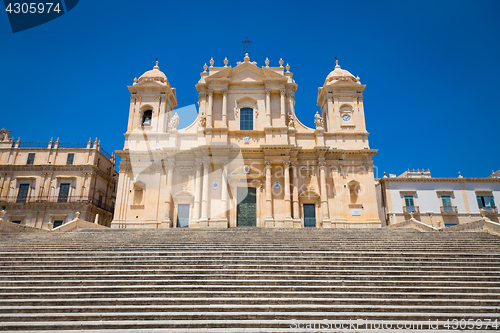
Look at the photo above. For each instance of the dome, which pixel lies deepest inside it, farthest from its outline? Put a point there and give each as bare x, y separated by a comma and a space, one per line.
338, 73
154, 74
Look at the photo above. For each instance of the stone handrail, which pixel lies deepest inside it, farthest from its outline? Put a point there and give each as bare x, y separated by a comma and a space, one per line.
9, 227
479, 225
413, 224
76, 224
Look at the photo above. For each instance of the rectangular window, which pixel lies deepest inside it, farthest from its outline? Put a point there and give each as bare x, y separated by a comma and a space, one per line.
486, 202
69, 160
63, 193
58, 223
246, 119
446, 200
16, 221
23, 193
409, 203
31, 159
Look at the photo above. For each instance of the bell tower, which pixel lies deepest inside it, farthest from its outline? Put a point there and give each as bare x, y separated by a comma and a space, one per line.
152, 102
341, 102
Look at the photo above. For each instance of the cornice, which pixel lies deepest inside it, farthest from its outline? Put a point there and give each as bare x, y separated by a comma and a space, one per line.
440, 180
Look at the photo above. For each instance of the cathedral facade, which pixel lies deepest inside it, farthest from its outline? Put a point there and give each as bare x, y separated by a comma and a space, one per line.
247, 160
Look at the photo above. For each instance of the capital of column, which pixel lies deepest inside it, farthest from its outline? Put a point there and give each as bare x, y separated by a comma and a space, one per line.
268, 91
286, 164
210, 92
170, 165
268, 165
224, 91
282, 92
202, 94
206, 164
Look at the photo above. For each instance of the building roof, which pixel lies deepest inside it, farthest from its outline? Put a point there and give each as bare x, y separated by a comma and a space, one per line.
338, 73
155, 74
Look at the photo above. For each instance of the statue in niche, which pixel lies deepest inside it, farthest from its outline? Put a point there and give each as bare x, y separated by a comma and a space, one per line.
318, 120
291, 121
203, 120
174, 121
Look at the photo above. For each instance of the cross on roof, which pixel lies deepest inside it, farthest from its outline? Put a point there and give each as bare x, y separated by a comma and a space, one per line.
246, 42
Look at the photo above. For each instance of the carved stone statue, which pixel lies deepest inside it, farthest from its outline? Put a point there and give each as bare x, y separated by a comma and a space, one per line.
291, 121
174, 121
203, 120
318, 120
4, 135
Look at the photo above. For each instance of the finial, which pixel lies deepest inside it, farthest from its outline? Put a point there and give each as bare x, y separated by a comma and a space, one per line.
225, 62
281, 62
357, 79
287, 68
460, 175
336, 63
247, 58
205, 67
156, 67
267, 62
135, 79
385, 175
212, 62
57, 139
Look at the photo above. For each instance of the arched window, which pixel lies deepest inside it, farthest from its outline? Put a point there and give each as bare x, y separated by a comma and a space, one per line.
246, 119
146, 118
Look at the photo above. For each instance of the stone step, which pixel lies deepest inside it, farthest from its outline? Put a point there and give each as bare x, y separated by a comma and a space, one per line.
158, 289
347, 285
224, 303
177, 294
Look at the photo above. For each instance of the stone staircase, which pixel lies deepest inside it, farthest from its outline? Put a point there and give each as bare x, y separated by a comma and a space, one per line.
250, 280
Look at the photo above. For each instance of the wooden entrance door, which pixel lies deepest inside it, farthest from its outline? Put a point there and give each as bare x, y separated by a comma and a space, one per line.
247, 207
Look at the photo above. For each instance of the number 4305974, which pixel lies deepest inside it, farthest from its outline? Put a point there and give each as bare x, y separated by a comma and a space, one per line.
32, 8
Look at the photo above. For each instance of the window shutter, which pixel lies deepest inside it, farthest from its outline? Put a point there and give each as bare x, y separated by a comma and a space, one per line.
492, 201
480, 201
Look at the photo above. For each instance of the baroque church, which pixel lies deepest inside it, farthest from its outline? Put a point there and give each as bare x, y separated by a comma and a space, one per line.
247, 160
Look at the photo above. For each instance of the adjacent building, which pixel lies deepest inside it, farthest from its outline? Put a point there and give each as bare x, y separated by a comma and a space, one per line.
440, 202
47, 182
247, 160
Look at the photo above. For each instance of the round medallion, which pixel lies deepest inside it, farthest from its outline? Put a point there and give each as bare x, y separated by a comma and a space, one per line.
216, 185
276, 184
246, 169
246, 139
346, 117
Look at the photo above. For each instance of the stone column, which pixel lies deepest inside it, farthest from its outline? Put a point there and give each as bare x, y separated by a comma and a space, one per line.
168, 194
224, 107
197, 194
210, 106
324, 199
282, 107
268, 107
288, 206
204, 197
269, 198
224, 193
295, 177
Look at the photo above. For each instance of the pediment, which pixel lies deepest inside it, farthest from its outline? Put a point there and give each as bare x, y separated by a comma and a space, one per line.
246, 72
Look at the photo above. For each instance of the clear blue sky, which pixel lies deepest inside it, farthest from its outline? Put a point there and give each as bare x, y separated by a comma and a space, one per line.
431, 69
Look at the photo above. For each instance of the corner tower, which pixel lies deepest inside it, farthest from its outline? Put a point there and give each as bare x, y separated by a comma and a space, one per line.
341, 102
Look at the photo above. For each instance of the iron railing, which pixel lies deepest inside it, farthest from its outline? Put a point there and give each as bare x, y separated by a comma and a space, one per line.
57, 199
411, 209
490, 210
449, 210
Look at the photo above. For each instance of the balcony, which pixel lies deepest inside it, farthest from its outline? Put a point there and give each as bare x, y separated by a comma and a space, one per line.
449, 210
56, 199
490, 210
411, 209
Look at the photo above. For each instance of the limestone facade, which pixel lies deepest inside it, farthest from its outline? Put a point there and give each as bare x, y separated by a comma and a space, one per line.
246, 160
47, 182
439, 202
